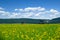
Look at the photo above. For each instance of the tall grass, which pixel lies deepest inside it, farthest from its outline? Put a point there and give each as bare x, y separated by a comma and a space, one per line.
29, 31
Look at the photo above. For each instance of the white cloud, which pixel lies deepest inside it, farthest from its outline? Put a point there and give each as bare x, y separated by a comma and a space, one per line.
53, 16
1, 8
41, 13
31, 12
4, 13
21, 10
31, 9
54, 11
14, 15
34, 9
16, 9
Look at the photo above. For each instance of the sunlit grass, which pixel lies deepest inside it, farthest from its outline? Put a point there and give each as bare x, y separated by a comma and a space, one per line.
30, 31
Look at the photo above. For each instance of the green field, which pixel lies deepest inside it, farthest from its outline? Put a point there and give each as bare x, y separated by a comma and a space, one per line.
29, 31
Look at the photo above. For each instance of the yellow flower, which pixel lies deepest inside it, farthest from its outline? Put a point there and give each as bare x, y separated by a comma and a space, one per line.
27, 36
4, 31
20, 32
32, 38
6, 35
37, 35
52, 39
22, 36
45, 33
49, 37
40, 38
33, 30
18, 36
13, 31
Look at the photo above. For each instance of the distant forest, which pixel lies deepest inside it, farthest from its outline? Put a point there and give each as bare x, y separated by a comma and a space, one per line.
31, 21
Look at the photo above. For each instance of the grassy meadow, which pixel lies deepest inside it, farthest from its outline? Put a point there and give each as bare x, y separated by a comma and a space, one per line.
29, 31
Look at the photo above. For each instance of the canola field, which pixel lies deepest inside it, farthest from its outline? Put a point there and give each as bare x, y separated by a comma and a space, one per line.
29, 31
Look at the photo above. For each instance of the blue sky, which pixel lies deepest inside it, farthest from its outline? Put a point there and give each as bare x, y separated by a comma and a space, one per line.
37, 9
